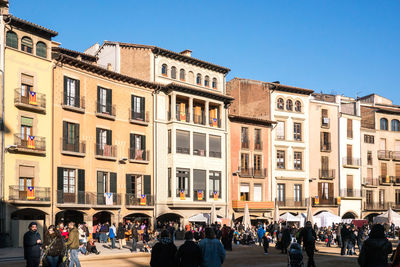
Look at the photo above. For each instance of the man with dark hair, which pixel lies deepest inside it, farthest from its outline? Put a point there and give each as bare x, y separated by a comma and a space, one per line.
73, 244
163, 253
375, 251
211, 249
189, 254
309, 237
32, 243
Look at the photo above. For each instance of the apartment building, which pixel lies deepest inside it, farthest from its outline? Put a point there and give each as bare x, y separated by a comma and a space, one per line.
324, 182
27, 116
380, 153
349, 158
102, 165
190, 127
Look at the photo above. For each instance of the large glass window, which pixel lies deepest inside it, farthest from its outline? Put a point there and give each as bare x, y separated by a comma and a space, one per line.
104, 100
244, 159
199, 185
384, 124
297, 160
182, 142
207, 81
280, 159
138, 108
244, 192
69, 180
297, 106
26, 44
214, 83
280, 104
198, 79
214, 184
164, 70
245, 137
297, 131
199, 144
41, 49
297, 192
182, 182
281, 192
138, 147
71, 92
289, 105
257, 139
12, 39
215, 146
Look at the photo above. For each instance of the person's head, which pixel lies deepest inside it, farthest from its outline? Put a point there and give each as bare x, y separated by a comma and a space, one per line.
61, 225
164, 234
120, 224
71, 225
308, 224
189, 235
209, 233
33, 226
377, 231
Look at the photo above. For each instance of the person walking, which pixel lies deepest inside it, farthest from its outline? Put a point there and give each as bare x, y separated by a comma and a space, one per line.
375, 250
32, 243
265, 240
163, 253
345, 234
135, 236
212, 251
73, 245
53, 246
308, 236
189, 254
120, 234
260, 234
111, 234
285, 241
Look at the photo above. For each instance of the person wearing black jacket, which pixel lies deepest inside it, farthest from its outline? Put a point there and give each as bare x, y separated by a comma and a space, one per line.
120, 234
345, 234
286, 238
164, 252
32, 244
189, 254
53, 246
375, 250
308, 236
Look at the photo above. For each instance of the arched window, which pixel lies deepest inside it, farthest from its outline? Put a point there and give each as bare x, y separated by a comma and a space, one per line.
297, 106
164, 70
279, 103
182, 74
26, 44
214, 83
173, 73
41, 49
395, 125
191, 77
384, 124
198, 79
12, 39
289, 105
207, 81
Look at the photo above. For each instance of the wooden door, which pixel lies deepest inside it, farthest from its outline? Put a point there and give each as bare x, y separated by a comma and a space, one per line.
24, 183
349, 185
349, 155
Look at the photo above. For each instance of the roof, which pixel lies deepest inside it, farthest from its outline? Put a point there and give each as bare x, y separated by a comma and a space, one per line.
174, 55
387, 110
74, 53
29, 25
251, 120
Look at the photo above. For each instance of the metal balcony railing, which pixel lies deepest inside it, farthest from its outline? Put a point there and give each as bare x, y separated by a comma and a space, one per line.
323, 201
102, 200
106, 150
105, 109
292, 202
134, 200
245, 145
73, 145
139, 154
396, 180
73, 101
348, 192
183, 116
258, 145
79, 197
396, 155
351, 161
326, 174
20, 193
384, 154
370, 181
376, 206
385, 179
30, 99
245, 172
259, 172
34, 143
139, 116
326, 147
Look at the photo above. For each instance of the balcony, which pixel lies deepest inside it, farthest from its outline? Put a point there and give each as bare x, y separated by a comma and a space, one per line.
252, 205
292, 203
351, 162
370, 182
29, 144
21, 195
102, 201
396, 155
215, 122
326, 147
396, 180
139, 118
376, 206
73, 103
259, 172
245, 172
349, 192
105, 111
245, 145
330, 201
131, 200
326, 174
325, 122
384, 154
33, 101
258, 146
80, 198
106, 152
199, 195
385, 179
73, 147
139, 155
199, 118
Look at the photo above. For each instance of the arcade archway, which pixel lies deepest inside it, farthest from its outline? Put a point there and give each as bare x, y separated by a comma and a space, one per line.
67, 216
102, 217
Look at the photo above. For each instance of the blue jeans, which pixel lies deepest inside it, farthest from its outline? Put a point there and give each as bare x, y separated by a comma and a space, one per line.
52, 260
112, 242
82, 249
74, 261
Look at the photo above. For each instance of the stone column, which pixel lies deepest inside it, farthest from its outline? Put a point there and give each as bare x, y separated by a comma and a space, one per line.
191, 111
173, 106
206, 111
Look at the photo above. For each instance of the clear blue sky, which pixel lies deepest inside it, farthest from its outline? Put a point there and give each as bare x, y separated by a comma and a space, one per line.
341, 46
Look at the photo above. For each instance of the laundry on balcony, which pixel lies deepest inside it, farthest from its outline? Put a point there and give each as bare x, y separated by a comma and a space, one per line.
30, 193
109, 198
31, 142
143, 200
32, 98
139, 154
108, 150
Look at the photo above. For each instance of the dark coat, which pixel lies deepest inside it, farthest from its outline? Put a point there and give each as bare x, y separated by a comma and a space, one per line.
56, 248
308, 237
286, 238
163, 255
374, 252
120, 233
31, 247
189, 255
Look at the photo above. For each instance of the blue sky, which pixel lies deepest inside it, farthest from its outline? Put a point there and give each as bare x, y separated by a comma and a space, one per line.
341, 46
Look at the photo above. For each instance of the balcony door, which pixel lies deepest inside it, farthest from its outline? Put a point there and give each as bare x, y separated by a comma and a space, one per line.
350, 185
24, 183
349, 155
257, 192
69, 185
26, 87
325, 192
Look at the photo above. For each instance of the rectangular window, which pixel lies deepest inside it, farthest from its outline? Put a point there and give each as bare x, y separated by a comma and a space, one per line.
370, 174
349, 128
26, 179
281, 192
71, 92
104, 142
214, 183
298, 160
257, 192
215, 146
104, 100
70, 136
325, 163
397, 196
369, 139
244, 192
325, 119
369, 157
26, 127
280, 130
280, 159
182, 142
325, 141
381, 196
383, 169
182, 182
138, 147
169, 141
349, 185
257, 139
138, 108
169, 182
349, 155
297, 192
323, 193
297, 131
199, 185
369, 196
257, 163
245, 137
199, 144
244, 161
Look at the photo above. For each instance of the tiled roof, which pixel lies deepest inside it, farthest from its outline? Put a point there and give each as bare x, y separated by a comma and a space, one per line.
252, 120
74, 53
34, 26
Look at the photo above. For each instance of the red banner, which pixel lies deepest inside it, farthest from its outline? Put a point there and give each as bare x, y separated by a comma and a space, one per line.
30, 193
31, 142
143, 201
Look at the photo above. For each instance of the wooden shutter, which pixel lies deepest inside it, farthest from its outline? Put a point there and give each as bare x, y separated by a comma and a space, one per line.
320, 190
143, 142
100, 182
147, 184
324, 113
349, 152
60, 178
349, 181
65, 90
397, 170
77, 94
109, 137
109, 101
330, 190
128, 183
97, 136
324, 163
98, 99
76, 137
349, 128
81, 180
113, 182
65, 130
369, 173
383, 169
142, 107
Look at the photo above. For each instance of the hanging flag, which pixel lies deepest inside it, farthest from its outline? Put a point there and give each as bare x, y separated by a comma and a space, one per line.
200, 195
316, 200
182, 194
32, 98
215, 194
30, 193
139, 155
338, 199
109, 198
31, 142
143, 200
182, 115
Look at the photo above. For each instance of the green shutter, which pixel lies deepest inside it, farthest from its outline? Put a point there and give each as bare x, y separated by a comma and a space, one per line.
113, 182
100, 182
128, 183
81, 180
60, 178
65, 90
77, 94
147, 184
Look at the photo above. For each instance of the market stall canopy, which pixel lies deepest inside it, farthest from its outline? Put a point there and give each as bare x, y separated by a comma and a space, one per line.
388, 216
201, 217
327, 218
288, 217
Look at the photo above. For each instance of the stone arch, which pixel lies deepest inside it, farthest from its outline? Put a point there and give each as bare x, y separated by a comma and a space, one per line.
370, 216
349, 215
103, 217
67, 216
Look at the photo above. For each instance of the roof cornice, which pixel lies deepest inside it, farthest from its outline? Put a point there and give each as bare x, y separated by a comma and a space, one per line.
251, 120
29, 25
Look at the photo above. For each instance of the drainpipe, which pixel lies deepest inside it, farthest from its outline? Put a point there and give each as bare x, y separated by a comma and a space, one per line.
227, 171
154, 146
52, 143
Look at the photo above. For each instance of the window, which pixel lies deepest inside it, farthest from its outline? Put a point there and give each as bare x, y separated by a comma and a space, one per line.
26, 127
26, 44
136, 186
325, 166
324, 191
369, 139
182, 75
325, 141
199, 144
41, 49
104, 100
182, 142
370, 175
173, 72
215, 146
297, 160
244, 192
369, 157
214, 184
325, 119
214, 83
381, 196
257, 139
191, 77
26, 179
349, 128
395, 125
297, 106
257, 163
69, 181
12, 39
280, 159
281, 192
257, 196
289, 105
397, 197
199, 185
198, 79
280, 130
70, 136
297, 192
245, 137
106, 183
297, 131
207, 81
104, 142
138, 108
279, 104
71, 92
26, 88
169, 141
169, 182
244, 162
384, 124
182, 182
164, 70
369, 196
138, 147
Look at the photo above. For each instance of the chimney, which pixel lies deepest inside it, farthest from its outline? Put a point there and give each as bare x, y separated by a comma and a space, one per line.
109, 67
186, 52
